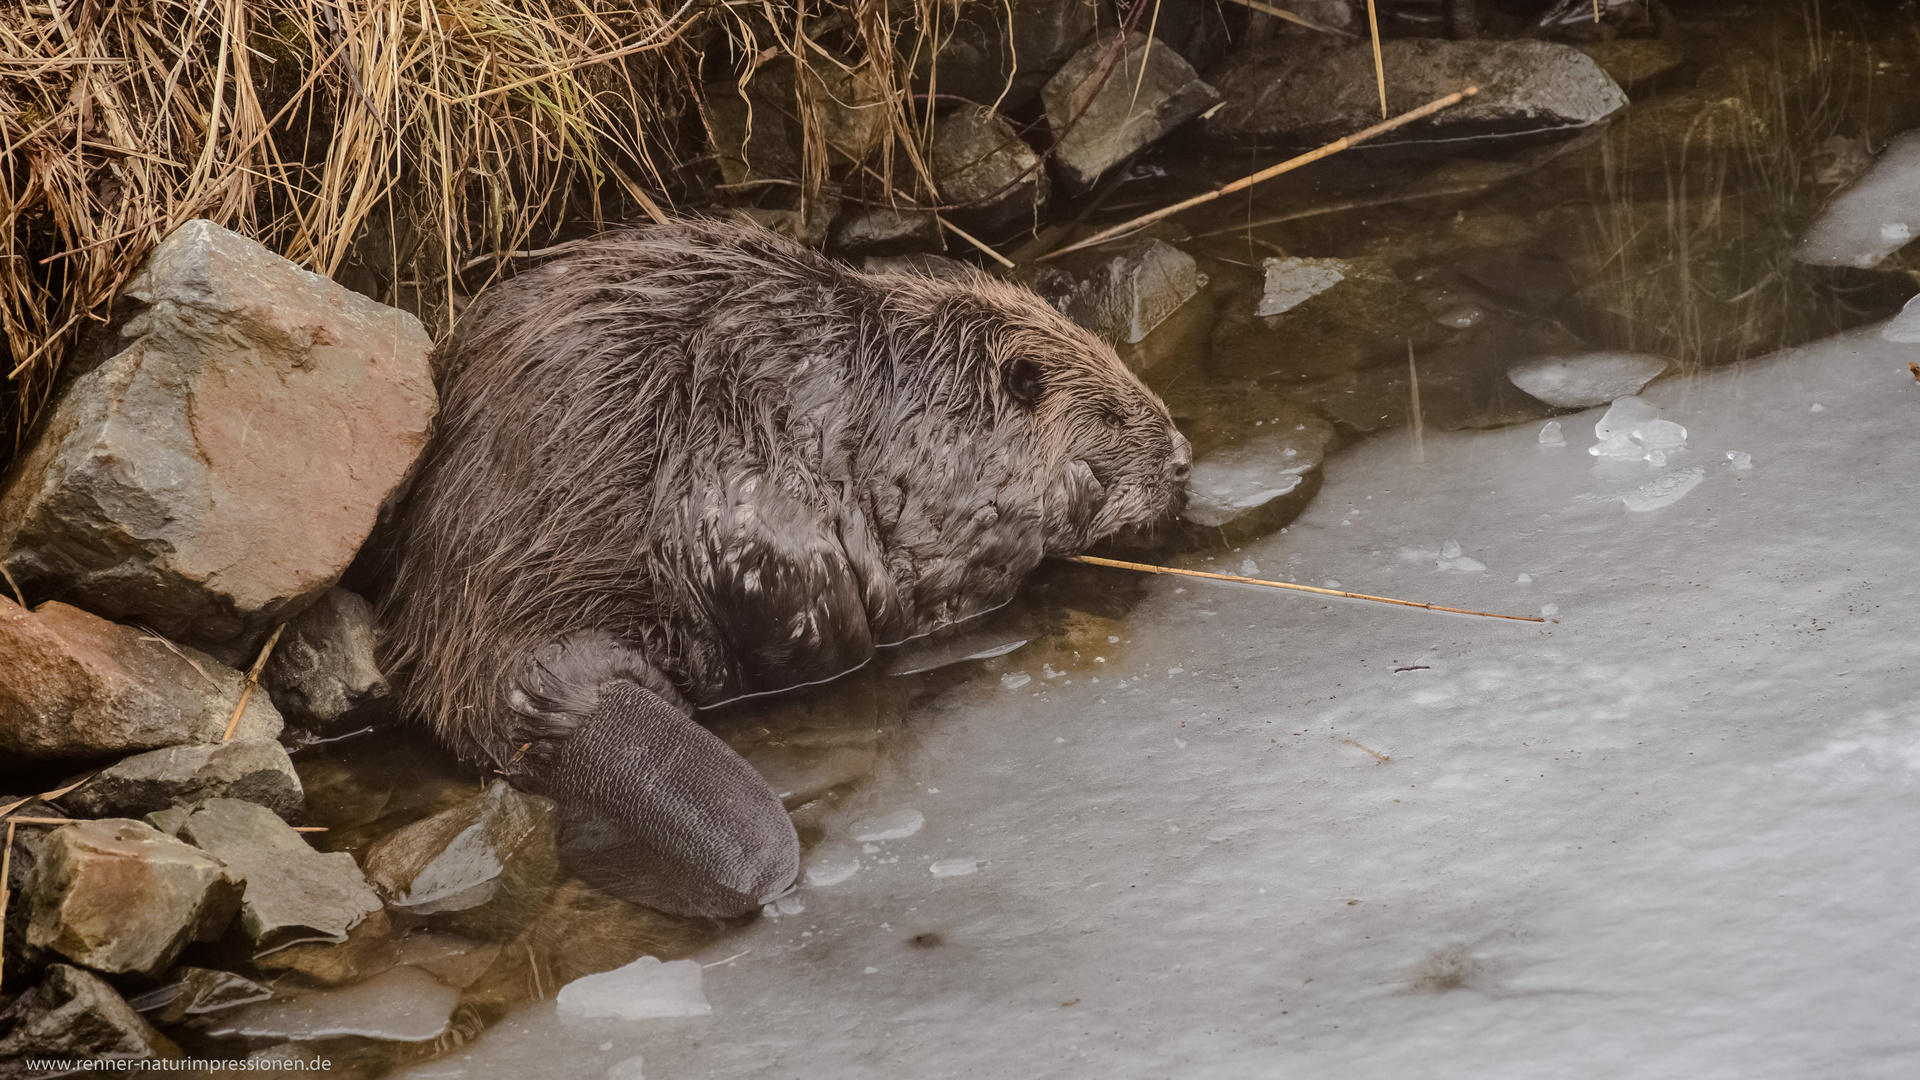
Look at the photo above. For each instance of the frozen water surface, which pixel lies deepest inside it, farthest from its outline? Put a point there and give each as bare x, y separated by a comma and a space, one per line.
1670, 835
643, 990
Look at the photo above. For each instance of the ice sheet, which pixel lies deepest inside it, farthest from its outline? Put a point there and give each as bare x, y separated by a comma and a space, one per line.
1669, 835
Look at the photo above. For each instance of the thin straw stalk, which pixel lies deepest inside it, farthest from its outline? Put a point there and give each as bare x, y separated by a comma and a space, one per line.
1150, 568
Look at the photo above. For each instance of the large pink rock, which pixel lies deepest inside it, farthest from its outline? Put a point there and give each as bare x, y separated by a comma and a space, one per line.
217, 473
73, 685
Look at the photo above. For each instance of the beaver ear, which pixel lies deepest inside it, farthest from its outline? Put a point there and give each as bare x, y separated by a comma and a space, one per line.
1021, 379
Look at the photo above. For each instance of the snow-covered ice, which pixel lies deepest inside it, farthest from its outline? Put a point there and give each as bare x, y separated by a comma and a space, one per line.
1581, 382
952, 867
1669, 836
643, 990
1874, 217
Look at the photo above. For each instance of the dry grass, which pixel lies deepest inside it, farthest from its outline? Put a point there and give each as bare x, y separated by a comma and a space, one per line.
403, 146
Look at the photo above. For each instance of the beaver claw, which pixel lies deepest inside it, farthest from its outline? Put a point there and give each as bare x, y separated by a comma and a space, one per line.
657, 810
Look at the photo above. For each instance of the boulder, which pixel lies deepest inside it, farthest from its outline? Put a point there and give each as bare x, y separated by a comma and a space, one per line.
992, 178
118, 896
1000, 52
1875, 216
75, 686
197, 991
1293, 95
748, 133
75, 1014
367, 952
217, 474
322, 671
1112, 100
257, 770
1135, 290
885, 230
294, 893
482, 868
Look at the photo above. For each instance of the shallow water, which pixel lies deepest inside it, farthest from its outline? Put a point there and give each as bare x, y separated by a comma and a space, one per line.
1206, 830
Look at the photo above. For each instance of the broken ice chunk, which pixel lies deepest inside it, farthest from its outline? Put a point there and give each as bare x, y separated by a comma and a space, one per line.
1292, 282
1657, 458
832, 868
1904, 327
1551, 435
643, 990
1740, 459
1581, 382
1626, 414
895, 826
1616, 446
1014, 680
1452, 559
1660, 435
952, 867
1249, 568
1874, 217
1665, 491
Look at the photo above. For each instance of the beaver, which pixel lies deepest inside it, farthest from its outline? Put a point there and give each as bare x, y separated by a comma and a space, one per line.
686, 463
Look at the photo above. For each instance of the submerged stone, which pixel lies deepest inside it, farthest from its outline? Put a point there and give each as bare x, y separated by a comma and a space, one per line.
256, 770
77, 686
294, 893
74, 1014
1114, 99
401, 1005
197, 991
482, 868
118, 896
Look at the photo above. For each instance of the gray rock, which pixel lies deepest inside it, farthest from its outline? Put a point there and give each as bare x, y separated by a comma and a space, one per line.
1000, 52
119, 896
993, 179
884, 230
322, 671
1296, 95
75, 685
294, 893
1109, 109
934, 266
404, 1004
1581, 382
197, 991
1136, 290
1875, 216
217, 475
75, 1014
749, 133
257, 770
483, 867
808, 224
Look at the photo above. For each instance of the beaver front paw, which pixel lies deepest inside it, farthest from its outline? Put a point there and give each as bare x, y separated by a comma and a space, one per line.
657, 810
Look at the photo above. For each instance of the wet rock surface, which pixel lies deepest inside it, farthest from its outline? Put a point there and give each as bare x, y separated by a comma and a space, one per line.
256, 770
197, 991
1129, 295
322, 671
1001, 54
1113, 99
294, 894
1289, 95
76, 686
482, 868
218, 471
75, 1014
117, 896
885, 230
992, 178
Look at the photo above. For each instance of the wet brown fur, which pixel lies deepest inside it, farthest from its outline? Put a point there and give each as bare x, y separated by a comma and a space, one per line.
716, 462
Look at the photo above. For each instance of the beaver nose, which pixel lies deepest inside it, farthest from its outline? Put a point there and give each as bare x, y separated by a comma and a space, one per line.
1180, 466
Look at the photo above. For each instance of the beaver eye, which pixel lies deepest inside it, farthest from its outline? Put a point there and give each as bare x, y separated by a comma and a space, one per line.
1111, 416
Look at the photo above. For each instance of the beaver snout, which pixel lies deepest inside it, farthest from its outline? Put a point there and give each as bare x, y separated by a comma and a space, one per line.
1180, 465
